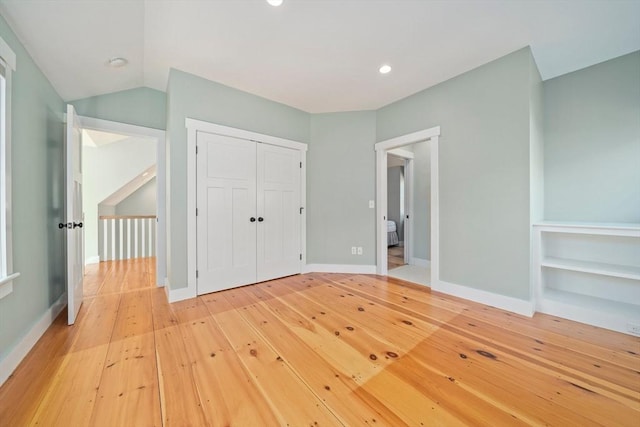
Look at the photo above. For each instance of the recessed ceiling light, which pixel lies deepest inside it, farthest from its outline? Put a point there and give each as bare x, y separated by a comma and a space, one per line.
274, 2
117, 62
385, 69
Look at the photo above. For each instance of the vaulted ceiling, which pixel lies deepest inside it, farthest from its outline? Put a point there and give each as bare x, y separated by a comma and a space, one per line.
316, 55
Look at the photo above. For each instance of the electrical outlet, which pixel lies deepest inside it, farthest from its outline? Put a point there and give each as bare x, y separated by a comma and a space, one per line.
353, 250
633, 328
359, 250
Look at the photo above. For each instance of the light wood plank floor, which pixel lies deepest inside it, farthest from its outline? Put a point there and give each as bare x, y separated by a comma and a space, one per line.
317, 349
395, 257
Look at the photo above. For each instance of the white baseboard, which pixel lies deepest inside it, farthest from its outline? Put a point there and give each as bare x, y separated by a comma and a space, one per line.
92, 260
340, 268
514, 305
420, 262
13, 359
180, 294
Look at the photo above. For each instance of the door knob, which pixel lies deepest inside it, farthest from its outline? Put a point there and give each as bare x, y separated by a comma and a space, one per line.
63, 225
252, 219
77, 224
260, 219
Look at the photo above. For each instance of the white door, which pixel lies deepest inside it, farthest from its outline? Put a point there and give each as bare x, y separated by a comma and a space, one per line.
278, 207
226, 221
73, 213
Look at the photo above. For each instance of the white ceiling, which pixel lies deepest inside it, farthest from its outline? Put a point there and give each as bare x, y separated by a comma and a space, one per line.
316, 55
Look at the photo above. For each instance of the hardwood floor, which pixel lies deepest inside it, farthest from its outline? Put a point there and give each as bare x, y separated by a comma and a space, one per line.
395, 257
316, 349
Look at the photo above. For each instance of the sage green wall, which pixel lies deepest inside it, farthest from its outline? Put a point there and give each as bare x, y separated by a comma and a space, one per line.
484, 160
140, 106
340, 182
592, 143
37, 196
140, 202
421, 201
198, 98
394, 211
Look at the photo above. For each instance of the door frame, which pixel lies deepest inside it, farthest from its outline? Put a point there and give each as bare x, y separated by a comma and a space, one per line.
382, 149
92, 123
193, 127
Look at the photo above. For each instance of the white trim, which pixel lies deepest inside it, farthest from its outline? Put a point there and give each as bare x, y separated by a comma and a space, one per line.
420, 262
92, 260
6, 284
92, 123
340, 268
192, 242
161, 167
382, 148
514, 305
6, 206
407, 139
7, 54
13, 359
435, 210
180, 294
193, 127
399, 152
243, 134
303, 205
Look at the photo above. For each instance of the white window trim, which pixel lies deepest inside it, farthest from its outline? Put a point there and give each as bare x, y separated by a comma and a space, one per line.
6, 268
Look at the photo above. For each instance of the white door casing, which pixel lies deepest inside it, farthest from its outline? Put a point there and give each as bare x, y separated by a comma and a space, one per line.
73, 215
382, 148
248, 212
175, 292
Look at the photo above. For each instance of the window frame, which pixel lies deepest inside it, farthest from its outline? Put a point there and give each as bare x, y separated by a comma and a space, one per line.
7, 67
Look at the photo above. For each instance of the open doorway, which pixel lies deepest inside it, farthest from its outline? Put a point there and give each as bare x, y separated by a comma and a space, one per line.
399, 201
124, 193
418, 151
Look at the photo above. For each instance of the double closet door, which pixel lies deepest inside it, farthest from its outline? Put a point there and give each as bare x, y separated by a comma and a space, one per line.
248, 218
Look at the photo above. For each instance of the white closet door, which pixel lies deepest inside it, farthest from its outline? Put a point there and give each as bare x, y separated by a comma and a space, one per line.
226, 201
278, 246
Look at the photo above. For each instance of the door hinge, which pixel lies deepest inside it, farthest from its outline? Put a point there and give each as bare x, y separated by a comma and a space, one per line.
196, 274
196, 211
301, 210
196, 149
300, 165
300, 257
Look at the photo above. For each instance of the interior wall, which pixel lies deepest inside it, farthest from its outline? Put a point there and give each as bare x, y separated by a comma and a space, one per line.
394, 213
37, 198
422, 201
140, 202
140, 106
340, 183
107, 168
194, 97
592, 143
484, 170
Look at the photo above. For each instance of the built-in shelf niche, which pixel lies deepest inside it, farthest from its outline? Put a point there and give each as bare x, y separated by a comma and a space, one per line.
588, 272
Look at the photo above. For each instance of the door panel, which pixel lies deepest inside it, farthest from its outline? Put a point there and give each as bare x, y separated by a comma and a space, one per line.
238, 180
226, 198
279, 204
74, 217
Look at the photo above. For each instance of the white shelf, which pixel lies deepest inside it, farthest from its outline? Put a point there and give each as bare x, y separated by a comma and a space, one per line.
595, 304
608, 229
587, 299
591, 310
623, 271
